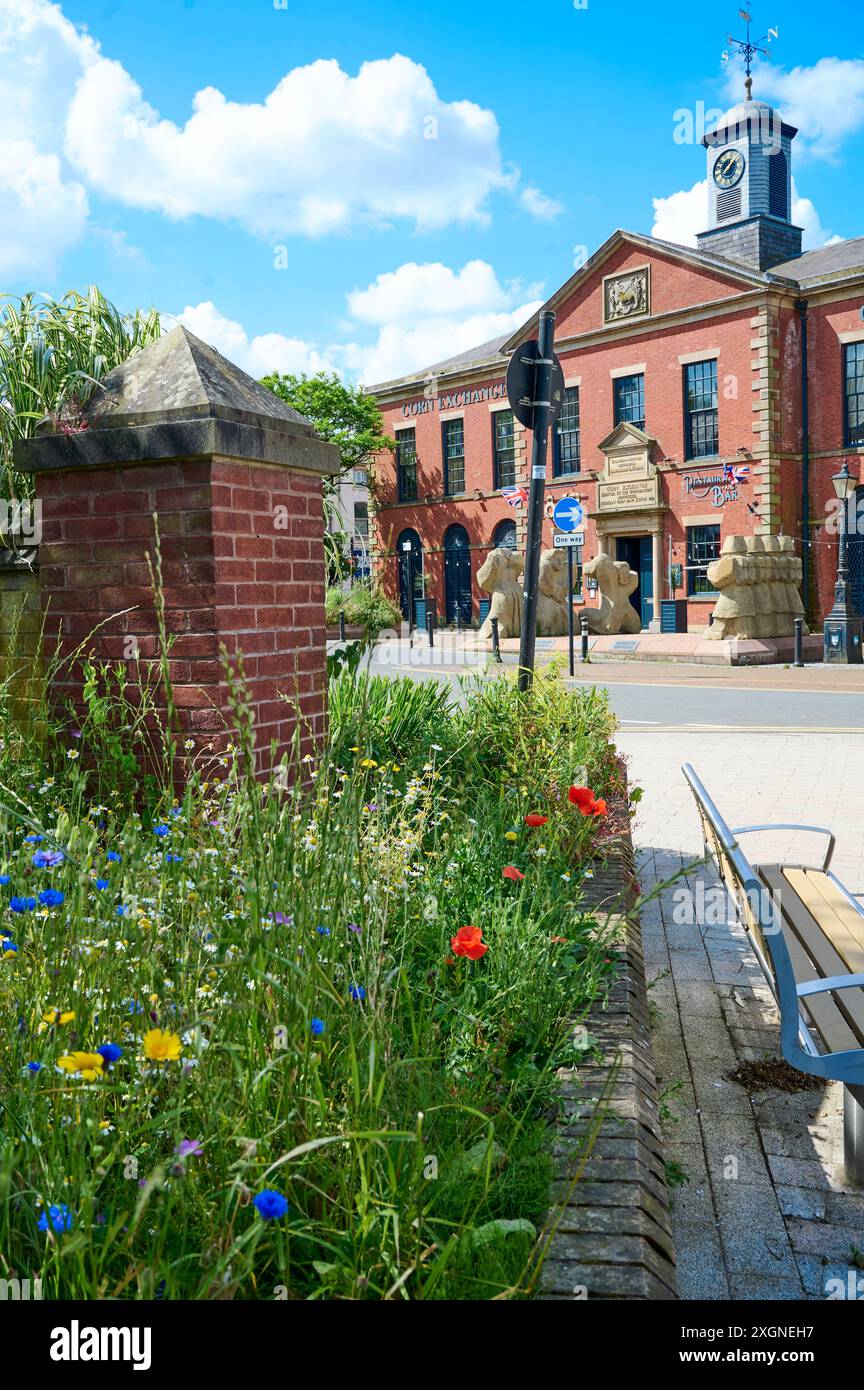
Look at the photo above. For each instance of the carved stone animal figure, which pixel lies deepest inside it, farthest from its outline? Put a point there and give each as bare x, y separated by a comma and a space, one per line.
552, 598
499, 576
616, 582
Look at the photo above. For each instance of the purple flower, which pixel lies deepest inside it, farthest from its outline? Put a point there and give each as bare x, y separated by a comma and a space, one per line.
282, 919
187, 1147
352, 926
48, 858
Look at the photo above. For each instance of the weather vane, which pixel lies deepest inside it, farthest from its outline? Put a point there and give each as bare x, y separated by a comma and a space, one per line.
748, 50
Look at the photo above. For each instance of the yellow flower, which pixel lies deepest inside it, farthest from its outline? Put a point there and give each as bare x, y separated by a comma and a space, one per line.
511, 835
368, 762
54, 1016
161, 1047
87, 1065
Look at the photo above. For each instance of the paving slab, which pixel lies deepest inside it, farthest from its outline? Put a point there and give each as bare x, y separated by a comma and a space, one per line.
765, 1211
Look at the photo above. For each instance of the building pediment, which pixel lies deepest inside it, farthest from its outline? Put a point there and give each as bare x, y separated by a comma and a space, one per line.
626, 436
629, 480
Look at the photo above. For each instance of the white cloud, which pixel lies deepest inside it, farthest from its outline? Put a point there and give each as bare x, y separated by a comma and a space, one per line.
825, 101
538, 205
472, 307
321, 152
43, 208
681, 215
41, 215
259, 355
416, 291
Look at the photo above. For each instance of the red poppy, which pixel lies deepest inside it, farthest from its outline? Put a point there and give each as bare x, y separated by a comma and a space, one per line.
468, 941
511, 872
588, 804
534, 821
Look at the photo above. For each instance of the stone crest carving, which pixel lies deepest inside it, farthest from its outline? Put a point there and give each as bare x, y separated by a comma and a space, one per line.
625, 296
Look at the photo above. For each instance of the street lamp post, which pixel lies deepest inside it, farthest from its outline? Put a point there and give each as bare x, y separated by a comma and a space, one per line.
842, 632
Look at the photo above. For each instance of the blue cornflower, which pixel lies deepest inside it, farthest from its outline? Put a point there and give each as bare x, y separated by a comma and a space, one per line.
161, 830
100, 883
113, 857
316, 1027
7, 946
33, 839
111, 1052
59, 1216
123, 910
323, 931
4, 879
173, 858
48, 858
357, 992
34, 1066
134, 1006
270, 1205
22, 904
51, 897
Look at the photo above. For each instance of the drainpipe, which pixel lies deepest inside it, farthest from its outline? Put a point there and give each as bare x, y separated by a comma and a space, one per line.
801, 306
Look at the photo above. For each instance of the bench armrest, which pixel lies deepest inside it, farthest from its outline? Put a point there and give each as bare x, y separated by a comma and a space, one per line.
812, 829
831, 982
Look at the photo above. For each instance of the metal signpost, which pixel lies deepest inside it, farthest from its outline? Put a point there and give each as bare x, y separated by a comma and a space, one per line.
567, 515
535, 390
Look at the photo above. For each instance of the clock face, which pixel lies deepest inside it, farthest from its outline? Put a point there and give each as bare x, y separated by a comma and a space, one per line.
728, 169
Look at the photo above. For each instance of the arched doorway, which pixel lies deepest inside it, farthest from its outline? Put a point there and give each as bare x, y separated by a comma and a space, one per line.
457, 575
409, 558
505, 535
855, 553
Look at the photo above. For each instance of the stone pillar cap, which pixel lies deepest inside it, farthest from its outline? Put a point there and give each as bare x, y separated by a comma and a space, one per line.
179, 398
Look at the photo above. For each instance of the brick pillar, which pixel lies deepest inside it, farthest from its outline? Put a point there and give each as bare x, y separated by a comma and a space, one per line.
235, 479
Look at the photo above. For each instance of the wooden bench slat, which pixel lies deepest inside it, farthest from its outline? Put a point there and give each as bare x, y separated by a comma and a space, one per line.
838, 1018
848, 934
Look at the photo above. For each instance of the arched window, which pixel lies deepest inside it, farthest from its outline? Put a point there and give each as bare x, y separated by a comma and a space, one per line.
505, 535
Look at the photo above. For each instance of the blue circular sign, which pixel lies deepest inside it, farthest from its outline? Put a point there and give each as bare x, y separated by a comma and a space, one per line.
567, 514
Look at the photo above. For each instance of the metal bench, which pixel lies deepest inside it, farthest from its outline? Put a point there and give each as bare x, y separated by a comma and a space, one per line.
807, 933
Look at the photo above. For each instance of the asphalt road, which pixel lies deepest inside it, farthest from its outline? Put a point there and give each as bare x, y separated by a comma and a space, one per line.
673, 705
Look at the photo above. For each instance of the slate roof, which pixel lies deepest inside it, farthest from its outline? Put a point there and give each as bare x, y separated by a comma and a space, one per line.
827, 262
476, 356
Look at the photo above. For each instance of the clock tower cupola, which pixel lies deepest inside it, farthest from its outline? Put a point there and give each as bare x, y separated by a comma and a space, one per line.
750, 181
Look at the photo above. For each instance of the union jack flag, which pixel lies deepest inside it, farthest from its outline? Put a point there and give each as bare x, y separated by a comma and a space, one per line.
515, 496
735, 472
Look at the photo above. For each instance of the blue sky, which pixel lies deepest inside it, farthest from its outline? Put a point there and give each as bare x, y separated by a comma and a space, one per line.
377, 219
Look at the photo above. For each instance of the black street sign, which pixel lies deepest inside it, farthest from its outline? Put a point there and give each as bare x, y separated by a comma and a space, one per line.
523, 377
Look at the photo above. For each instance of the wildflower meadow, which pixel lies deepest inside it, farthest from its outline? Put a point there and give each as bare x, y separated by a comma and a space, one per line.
298, 1040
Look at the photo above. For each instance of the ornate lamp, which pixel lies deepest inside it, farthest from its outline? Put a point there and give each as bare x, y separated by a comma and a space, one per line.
843, 626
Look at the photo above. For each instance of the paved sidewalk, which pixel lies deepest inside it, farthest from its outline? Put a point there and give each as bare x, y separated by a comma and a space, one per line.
765, 1212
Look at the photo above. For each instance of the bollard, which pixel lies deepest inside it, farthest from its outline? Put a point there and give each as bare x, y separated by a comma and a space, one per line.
583, 624
496, 642
430, 623
341, 624
799, 642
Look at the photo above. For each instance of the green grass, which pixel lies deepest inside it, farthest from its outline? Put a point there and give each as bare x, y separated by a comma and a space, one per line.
401, 1133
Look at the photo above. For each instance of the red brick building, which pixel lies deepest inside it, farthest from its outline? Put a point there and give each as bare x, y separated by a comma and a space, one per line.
685, 406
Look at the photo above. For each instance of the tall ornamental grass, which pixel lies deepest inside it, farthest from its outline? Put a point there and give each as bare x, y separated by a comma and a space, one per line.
269, 1044
52, 353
